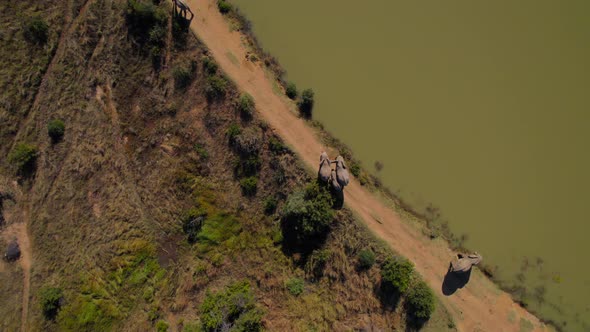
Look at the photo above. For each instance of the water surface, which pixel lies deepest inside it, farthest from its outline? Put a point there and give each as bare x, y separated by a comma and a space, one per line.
481, 108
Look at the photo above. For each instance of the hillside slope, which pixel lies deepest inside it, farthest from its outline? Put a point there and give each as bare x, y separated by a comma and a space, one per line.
161, 203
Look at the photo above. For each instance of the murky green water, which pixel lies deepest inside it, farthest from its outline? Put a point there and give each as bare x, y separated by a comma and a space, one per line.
481, 108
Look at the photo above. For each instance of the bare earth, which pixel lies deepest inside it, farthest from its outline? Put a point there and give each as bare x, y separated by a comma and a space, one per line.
479, 306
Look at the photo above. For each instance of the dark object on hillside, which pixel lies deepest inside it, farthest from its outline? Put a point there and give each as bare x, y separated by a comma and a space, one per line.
181, 9
12, 252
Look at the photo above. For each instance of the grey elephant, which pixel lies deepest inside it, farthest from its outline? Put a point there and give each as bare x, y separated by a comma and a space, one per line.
334, 182
325, 167
462, 263
341, 172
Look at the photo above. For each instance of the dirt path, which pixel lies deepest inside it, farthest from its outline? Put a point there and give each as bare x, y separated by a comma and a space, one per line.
19, 231
479, 306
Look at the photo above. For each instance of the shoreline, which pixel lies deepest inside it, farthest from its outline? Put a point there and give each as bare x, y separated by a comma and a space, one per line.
371, 183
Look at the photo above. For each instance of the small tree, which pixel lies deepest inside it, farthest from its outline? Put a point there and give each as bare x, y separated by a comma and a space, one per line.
36, 30
306, 103
246, 106
223, 6
249, 185
366, 259
56, 130
216, 87
291, 90
420, 301
23, 158
397, 274
50, 298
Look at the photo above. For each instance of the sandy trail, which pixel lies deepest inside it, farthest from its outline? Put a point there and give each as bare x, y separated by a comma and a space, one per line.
479, 306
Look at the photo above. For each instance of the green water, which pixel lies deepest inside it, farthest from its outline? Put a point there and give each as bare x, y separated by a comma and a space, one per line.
481, 108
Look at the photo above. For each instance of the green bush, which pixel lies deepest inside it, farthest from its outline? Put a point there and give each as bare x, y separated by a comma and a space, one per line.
307, 213
201, 151
317, 262
355, 169
249, 185
276, 146
23, 158
142, 17
36, 30
215, 88
161, 326
248, 143
291, 90
209, 65
366, 259
192, 222
233, 131
182, 77
50, 298
306, 103
397, 274
246, 105
223, 6
295, 286
56, 130
270, 205
420, 301
232, 309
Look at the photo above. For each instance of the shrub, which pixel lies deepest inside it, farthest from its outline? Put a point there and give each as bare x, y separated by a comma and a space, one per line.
317, 262
248, 143
161, 326
50, 298
36, 30
216, 87
291, 90
209, 65
23, 158
232, 309
366, 259
420, 301
270, 205
223, 6
295, 286
192, 222
201, 151
397, 274
233, 131
249, 185
182, 77
307, 213
355, 169
306, 102
276, 146
246, 106
142, 17
55, 130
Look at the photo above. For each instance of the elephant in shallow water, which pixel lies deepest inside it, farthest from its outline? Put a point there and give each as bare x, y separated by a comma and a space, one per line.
334, 182
341, 172
463, 263
325, 167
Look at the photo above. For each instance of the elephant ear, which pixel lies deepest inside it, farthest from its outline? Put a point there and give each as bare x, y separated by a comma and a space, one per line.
344, 164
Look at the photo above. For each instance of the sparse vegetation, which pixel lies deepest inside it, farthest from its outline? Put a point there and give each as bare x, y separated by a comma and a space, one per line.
306, 103
420, 301
366, 259
50, 298
162, 326
396, 275
36, 30
295, 286
56, 130
23, 158
291, 90
232, 309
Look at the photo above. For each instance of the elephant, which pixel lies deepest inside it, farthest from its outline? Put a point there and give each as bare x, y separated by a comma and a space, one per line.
334, 182
462, 264
341, 172
325, 167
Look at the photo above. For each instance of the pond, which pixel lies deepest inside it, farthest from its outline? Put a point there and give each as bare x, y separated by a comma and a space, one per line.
478, 108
